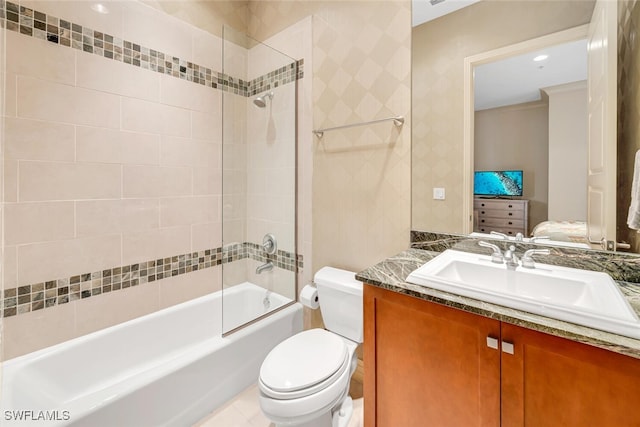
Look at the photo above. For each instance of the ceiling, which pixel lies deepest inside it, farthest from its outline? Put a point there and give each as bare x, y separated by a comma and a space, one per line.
517, 79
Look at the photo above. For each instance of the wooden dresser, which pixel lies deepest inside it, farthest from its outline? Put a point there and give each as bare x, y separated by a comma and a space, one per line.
503, 215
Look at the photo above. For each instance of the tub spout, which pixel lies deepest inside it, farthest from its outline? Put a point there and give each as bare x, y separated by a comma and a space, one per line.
268, 266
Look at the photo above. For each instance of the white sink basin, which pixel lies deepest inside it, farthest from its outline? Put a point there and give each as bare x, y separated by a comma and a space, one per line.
583, 297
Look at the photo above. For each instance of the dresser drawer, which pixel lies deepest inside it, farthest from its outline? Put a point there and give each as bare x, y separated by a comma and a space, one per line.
495, 213
502, 215
504, 230
501, 222
509, 205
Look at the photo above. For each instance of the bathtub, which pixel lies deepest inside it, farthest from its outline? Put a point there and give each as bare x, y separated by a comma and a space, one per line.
169, 368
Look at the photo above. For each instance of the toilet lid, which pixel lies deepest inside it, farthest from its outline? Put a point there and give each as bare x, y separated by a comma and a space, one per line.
303, 360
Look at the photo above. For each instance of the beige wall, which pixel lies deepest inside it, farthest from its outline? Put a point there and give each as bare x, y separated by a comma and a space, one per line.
568, 125
517, 137
361, 180
628, 113
361, 177
438, 51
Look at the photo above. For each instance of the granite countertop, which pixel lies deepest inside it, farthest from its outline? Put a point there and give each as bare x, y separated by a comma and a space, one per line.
391, 274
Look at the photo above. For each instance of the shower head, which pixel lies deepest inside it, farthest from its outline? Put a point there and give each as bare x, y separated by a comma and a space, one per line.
261, 101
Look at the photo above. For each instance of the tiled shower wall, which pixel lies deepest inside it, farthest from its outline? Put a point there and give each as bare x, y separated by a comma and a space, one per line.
112, 168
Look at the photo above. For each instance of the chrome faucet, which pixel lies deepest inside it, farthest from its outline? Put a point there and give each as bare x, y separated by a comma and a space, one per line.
527, 260
496, 256
510, 258
268, 266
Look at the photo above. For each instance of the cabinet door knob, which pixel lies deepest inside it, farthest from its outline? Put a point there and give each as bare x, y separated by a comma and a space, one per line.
507, 347
492, 343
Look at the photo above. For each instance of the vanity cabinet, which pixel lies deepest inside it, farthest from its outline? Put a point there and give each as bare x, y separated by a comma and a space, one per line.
428, 364
505, 216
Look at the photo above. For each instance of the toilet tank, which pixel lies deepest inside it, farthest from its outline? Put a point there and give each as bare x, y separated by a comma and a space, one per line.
340, 297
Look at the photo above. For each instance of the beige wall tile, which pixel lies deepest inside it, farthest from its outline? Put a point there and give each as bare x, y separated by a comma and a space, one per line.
189, 210
189, 152
114, 146
156, 181
207, 49
37, 140
185, 287
156, 30
68, 181
10, 94
32, 57
206, 126
99, 217
207, 181
206, 236
153, 244
95, 72
95, 313
39, 262
186, 94
10, 180
10, 267
80, 12
145, 116
38, 329
38, 222
56, 102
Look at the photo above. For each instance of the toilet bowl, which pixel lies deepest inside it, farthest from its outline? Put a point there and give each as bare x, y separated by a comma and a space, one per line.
304, 380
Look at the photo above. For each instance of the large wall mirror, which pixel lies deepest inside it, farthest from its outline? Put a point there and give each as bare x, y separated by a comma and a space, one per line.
516, 114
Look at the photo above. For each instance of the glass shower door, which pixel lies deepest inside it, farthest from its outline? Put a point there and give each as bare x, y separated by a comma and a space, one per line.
258, 180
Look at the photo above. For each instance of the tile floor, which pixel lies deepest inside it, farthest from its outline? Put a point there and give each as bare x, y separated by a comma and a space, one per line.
244, 411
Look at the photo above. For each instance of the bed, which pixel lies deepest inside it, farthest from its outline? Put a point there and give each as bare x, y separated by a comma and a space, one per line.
564, 231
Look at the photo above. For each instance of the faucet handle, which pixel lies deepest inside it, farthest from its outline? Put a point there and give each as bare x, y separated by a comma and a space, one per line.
496, 256
527, 260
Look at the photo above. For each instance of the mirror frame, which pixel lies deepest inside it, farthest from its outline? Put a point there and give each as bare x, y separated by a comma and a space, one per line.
565, 36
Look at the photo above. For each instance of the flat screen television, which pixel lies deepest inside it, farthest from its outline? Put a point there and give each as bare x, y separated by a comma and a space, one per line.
497, 183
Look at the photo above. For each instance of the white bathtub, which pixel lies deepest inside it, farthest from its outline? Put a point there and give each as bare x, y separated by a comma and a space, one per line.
169, 368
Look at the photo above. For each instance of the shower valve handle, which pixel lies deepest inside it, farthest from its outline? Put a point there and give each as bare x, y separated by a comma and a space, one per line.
269, 244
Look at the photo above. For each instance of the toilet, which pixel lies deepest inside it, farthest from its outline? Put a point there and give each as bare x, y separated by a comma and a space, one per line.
304, 380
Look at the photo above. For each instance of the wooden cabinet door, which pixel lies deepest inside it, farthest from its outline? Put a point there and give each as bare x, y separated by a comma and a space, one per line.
550, 381
427, 364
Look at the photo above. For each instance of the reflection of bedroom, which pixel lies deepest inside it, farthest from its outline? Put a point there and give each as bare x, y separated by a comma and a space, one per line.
532, 116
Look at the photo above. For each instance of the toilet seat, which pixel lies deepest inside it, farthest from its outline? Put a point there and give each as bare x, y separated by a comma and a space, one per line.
304, 364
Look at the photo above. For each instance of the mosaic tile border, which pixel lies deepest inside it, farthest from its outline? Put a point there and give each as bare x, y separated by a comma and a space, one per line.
38, 296
55, 30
